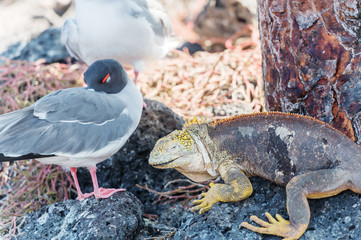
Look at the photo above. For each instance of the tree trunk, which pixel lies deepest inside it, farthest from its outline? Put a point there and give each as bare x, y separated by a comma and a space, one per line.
312, 59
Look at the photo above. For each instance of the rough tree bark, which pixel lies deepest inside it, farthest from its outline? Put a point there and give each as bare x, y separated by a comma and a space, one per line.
312, 59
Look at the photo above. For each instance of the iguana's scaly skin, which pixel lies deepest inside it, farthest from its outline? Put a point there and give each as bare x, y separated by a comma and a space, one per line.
310, 157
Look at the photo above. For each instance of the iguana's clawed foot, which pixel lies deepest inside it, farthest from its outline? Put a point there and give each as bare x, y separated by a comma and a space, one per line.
279, 227
208, 199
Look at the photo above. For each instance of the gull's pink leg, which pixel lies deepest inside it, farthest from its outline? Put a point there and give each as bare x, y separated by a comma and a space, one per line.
81, 196
101, 192
136, 73
83, 84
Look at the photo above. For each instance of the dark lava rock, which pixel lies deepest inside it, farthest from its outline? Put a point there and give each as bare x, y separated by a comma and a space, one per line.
46, 46
337, 217
191, 47
117, 217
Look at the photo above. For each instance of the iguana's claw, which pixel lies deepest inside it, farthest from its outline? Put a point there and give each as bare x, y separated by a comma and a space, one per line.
207, 201
279, 227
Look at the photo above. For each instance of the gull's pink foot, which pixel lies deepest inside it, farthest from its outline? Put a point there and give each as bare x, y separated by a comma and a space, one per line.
98, 192
229, 44
101, 192
106, 192
83, 196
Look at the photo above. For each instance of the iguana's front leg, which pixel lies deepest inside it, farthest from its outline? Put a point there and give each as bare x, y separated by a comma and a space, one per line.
237, 187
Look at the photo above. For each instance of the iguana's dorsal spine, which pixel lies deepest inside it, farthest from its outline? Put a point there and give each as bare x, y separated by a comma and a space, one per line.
195, 120
192, 126
214, 123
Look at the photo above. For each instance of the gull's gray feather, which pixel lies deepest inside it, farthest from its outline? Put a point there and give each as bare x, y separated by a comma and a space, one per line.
70, 38
155, 15
78, 105
49, 126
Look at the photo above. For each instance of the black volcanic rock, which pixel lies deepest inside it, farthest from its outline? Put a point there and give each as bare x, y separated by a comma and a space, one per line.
117, 217
46, 46
337, 217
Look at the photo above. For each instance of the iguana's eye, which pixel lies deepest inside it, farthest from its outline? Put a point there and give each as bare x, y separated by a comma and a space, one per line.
173, 147
106, 79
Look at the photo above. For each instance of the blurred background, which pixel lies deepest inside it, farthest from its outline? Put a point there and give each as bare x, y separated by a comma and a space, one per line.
219, 61
23, 19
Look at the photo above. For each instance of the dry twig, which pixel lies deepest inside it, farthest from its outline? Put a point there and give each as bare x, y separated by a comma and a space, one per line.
182, 193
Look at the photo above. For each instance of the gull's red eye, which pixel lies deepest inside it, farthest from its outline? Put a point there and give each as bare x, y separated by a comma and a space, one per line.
106, 78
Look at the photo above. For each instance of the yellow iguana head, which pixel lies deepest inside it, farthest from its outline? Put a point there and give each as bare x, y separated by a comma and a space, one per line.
184, 151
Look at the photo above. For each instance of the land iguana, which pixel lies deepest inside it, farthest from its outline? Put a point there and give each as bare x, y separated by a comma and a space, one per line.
310, 157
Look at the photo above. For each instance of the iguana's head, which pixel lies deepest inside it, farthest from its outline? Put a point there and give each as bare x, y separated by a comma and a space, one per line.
181, 150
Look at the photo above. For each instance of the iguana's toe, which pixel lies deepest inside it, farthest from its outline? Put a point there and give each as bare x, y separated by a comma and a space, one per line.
279, 227
202, 205
206, 202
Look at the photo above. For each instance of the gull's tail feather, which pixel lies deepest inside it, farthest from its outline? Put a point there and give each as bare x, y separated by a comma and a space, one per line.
10, 120
4, 158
